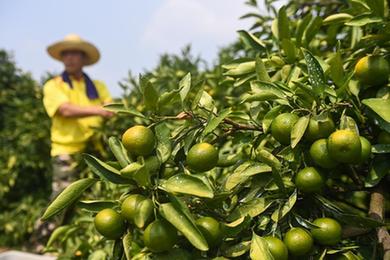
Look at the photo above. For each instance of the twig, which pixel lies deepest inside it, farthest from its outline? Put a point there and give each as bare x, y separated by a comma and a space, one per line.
376, 212
241, 126
355, 177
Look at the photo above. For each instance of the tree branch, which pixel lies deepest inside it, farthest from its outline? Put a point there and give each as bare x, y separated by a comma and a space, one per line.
377, 205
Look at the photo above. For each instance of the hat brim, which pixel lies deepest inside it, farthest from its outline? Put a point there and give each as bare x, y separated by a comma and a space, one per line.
92, 53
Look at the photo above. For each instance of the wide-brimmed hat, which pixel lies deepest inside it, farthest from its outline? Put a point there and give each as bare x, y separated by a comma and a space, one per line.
74, 42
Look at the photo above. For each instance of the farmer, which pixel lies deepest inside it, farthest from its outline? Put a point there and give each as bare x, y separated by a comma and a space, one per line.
74, 102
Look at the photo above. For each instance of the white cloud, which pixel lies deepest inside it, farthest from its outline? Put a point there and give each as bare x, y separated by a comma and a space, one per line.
203, 23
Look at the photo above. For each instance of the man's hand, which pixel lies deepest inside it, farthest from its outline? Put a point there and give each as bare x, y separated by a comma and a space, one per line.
70, 110
105, 113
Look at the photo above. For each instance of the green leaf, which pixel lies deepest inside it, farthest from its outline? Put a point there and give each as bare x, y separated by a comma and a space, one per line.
96, 205
127, 241
378, 120
149, 93
104, 171
261, 70
301, 28
181, 222
119, 151
117, 250
206, 101
280, 213
99, 254
120, 108
356, 36
336, 69
298, 130
289, 49
251, 41
186, 184
379, 169
241, 69
243, 172
196, 100
236, 227
167, 98
252, 208
264, 91
259, 249
361, 4
58, 233
349, 218
283, 24
293, 76
315, 72
67, 197
237, 249
269, 117
185, 86
337, 18
379, 7
142, 256
312, 29
215, 121
164, 146
268, 158
364, 19
379, 106
347, 122
138, 172
381, 148
143, 213
303, 222
245, 79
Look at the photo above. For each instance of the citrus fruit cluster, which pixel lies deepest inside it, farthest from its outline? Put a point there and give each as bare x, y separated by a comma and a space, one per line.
299, 241
137, 210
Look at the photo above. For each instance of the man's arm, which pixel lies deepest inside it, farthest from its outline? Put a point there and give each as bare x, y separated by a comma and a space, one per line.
70, 110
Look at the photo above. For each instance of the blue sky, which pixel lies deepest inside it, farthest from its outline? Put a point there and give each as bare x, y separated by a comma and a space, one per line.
130, 34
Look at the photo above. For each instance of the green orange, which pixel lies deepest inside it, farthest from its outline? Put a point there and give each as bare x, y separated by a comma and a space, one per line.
298, 241
139, 140
366, 149
309, 180
160, 236
202, 157
320, 154
345, 146
129, 206
109, 223
372, 70
328, 232
281, 127
277, 248
319, 127
211, 229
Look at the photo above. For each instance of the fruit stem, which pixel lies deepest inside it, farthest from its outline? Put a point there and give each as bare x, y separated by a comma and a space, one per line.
376, 212
355, 178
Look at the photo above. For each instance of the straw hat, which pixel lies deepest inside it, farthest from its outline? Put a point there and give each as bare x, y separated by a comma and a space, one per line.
74, 42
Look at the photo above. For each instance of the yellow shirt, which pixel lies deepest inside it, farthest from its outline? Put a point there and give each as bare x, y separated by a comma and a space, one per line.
70, 135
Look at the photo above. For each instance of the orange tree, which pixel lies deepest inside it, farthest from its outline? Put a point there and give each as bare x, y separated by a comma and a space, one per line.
298, 135
24, 153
